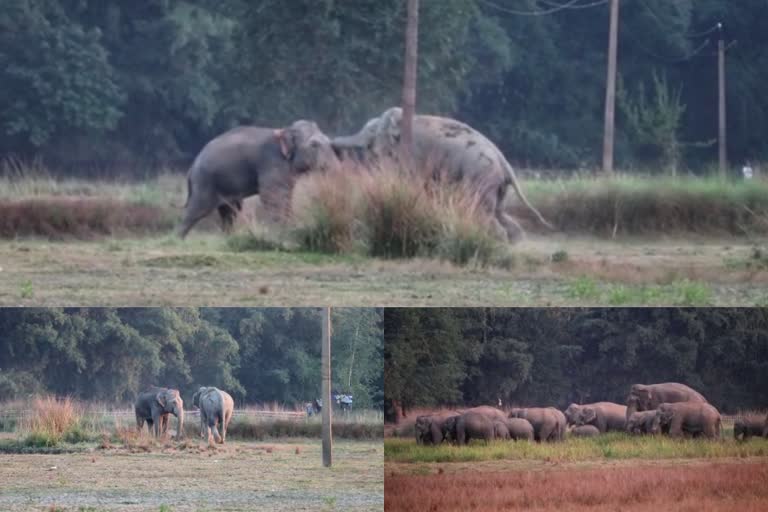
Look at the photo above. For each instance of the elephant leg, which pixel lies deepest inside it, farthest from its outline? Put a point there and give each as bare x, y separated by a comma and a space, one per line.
227, 215
512, 229
545, 434
198, 206
139, 423
150, 426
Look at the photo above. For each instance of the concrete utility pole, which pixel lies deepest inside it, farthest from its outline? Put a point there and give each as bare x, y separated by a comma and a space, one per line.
610, 90
722, 153
409, 79
326, 378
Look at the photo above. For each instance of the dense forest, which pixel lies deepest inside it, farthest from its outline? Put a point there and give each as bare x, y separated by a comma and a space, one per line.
258, 355
556, 356
126, 83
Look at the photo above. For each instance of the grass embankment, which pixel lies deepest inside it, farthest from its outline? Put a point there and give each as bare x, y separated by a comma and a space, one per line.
613, 446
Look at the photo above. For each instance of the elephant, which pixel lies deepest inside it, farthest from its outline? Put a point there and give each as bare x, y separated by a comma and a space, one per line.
585, 431
474, 425
748, 426
501, 431
429, 428
216, 408
250, 160
548, 423
451, 151
644, 397
765, 429
606, 416
520, 429
154, 406
641, 422
693, 418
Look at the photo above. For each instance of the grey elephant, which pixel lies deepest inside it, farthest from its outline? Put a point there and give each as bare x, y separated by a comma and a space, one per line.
216, 409
548, 423
606, 416
501, 431
520, 429
154, 406
250, 160
430, 428
585, 431
748, 426
446, 149
641, 422
474, 425
646, 397
688, 418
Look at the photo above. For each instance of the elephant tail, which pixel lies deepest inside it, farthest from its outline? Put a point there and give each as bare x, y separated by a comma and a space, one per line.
512, 180
189, 192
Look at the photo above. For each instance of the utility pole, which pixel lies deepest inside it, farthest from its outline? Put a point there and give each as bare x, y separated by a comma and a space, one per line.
409, 80
326, 392
723, 156
610, 90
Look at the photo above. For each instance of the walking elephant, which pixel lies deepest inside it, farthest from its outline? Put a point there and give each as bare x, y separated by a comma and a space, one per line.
216, 408
520, 429
548, 423
154, 406
585, 431
693, 418
641, 423
446, 149
644, 397
250, 160
748, 426
474, 425
606, 416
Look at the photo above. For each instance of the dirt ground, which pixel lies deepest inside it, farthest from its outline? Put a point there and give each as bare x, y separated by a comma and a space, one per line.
637, 486
204, 271
239, 476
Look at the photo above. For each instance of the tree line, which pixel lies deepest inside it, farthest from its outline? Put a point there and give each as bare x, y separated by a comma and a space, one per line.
256, 354
557, 356
153, 80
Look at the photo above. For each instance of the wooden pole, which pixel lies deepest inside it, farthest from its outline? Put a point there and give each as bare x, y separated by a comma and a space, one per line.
722, 152
409, 79
326, 378
610, 90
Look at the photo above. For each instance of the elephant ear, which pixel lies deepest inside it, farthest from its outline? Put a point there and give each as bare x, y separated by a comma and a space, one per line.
390, 124
286, 138
589, 414
161, 398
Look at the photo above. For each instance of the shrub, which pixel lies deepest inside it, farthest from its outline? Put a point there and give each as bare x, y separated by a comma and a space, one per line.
51, 420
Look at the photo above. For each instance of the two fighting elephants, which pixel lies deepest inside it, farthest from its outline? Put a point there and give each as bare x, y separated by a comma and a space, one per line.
250, 160
154, 407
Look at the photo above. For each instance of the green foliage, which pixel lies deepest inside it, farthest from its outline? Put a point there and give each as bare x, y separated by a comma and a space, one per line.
444, 357
260, 355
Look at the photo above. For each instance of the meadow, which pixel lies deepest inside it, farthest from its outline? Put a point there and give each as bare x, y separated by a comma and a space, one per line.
364, 239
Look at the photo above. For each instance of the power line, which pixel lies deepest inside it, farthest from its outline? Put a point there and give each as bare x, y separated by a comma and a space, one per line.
577, 6
559, 7
669, 60
661, 22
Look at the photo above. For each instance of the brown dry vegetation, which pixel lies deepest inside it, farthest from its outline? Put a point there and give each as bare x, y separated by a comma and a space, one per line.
696, 487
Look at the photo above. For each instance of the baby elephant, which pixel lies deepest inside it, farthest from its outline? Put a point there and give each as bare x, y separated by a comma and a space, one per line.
585, 431
520, 429
641, 422
216, 408
748, 426
500, 431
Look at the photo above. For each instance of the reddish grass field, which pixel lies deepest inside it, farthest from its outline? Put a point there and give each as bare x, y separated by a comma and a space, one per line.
698, 487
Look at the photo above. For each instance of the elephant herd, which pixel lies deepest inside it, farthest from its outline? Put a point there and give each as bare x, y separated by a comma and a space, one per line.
668, 408
250, 160
154, 407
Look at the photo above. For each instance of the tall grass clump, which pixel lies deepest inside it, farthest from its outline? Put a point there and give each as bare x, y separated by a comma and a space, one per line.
389, 213
52, 420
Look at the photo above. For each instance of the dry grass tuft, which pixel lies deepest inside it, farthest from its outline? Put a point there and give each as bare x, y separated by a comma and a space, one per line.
51, 420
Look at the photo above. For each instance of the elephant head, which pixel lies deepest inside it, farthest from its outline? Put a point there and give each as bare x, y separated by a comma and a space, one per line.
199, 394
169, 401
570, 413
306, 147
585, 416
380, 135
663, 418
449, 428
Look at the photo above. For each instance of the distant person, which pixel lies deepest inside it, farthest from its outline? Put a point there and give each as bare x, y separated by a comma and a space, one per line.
747, 171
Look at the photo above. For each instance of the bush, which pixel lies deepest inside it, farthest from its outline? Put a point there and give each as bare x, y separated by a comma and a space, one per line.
51, 420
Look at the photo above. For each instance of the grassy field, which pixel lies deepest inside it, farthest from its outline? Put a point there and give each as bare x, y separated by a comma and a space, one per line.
175, 478
607, 473
625, 242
